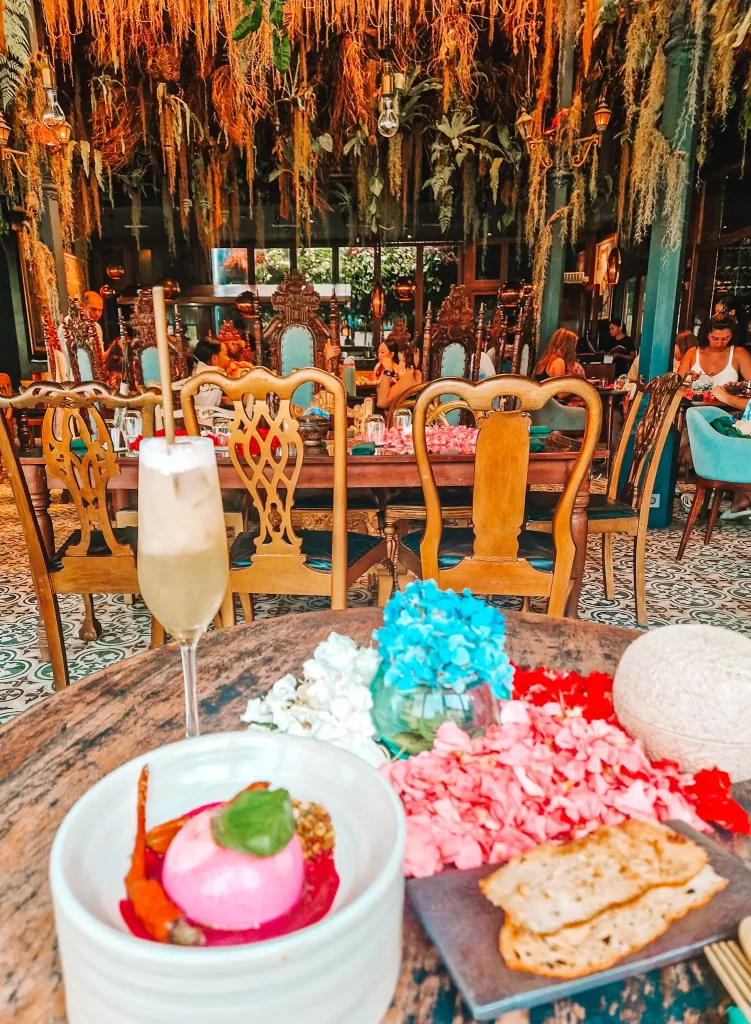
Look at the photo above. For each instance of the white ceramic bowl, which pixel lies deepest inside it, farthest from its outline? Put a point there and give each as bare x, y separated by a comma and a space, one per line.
342, 970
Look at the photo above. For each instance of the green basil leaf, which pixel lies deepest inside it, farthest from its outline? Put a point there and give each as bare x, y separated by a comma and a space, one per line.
276, 13
282, 52
259, 822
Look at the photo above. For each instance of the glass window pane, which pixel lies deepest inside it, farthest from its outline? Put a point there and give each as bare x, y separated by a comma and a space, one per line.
271, 265
229, 266
487, 262
315, 265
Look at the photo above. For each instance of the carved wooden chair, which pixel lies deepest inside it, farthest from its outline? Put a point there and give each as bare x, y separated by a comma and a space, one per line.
235, 342
97, 558
296, 336
84, 347
625, 509
525, 338
56, 360
496, 555
267, 451
498, 337
450, 344
138, 340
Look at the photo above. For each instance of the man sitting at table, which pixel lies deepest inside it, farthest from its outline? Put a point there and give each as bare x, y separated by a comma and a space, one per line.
620, 346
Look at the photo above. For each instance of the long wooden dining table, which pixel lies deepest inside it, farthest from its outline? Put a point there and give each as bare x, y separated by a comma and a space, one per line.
383, 473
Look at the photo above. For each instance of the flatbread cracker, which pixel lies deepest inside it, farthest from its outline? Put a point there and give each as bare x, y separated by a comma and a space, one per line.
597, 944
554, 886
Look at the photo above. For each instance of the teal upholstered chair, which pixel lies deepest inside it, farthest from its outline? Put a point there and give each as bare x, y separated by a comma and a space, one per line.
138, 338
625, 508
84, 348
721, 464
557, 416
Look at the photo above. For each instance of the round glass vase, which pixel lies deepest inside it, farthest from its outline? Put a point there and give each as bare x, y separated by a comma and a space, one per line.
408, 720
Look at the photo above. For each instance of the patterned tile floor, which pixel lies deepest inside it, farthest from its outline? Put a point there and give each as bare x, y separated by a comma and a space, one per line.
711, 585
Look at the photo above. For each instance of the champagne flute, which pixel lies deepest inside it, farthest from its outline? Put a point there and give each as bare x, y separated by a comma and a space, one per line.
183, 563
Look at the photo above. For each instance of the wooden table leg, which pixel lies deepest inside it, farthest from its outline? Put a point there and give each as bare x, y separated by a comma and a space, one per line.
579, 531
39, 492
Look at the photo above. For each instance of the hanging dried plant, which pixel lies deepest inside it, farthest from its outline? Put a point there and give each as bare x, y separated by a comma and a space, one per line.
394, 165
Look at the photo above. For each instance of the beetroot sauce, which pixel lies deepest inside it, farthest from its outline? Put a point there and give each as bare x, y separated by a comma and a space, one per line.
319, 889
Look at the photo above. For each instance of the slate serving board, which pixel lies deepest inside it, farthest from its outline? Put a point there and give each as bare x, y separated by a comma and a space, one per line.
464, 926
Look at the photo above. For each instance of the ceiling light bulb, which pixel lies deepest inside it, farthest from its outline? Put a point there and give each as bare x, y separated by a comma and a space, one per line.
388, 120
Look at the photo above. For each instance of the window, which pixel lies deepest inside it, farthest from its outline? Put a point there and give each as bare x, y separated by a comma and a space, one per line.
229, 266
271, 265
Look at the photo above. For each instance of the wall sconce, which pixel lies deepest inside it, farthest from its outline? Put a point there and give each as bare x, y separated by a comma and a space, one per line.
58, 131
525, 125
245, 304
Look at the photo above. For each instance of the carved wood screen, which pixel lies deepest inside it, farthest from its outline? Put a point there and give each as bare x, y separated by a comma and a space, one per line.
235, 342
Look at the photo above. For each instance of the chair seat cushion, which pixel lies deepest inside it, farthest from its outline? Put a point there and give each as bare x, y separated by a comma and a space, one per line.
541, 506
457, 543
322, 498
316, 546
451, 497
97, 544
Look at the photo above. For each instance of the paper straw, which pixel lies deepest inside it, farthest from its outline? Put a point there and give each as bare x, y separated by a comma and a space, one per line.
165, 371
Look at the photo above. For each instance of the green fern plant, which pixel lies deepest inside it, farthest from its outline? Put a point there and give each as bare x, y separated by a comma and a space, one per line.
16, 18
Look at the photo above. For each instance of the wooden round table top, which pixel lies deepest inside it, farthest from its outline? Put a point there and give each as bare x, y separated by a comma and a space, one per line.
55, 752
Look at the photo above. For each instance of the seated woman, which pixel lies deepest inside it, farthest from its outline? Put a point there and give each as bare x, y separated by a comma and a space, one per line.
392, 380
717, 361
559, 360
684, 340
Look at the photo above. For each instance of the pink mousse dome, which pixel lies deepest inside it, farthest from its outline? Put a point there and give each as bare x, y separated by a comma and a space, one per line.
226, 889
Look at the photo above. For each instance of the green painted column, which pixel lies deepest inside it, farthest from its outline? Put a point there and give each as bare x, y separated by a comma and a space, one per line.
559, 190
665, 268
552, 296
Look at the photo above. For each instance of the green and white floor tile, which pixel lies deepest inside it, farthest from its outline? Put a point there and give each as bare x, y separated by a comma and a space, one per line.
711, 585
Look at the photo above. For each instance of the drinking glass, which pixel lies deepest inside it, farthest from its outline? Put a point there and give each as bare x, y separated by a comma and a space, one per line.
403, 420
183, 565
375, 429
131, 428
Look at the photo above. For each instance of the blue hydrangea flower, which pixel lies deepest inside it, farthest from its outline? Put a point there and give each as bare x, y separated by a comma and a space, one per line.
439, 638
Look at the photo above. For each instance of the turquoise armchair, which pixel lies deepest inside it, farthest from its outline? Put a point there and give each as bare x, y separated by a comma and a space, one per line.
557, 416
721, 464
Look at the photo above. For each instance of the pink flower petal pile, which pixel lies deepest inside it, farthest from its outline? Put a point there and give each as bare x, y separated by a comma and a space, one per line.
539, 775
440, 439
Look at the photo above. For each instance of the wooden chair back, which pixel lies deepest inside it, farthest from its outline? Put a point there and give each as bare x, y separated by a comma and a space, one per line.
450, 343
500, 486
74, 413
84, 348
525, 338
663, 397
138, 341
267, 451
297, 321
498, 337
407, 399
56, 361
39, 563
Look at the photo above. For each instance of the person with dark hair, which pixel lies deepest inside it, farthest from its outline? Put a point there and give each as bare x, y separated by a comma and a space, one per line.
620, 346
392, 380
684, 340
210, 354
716, 360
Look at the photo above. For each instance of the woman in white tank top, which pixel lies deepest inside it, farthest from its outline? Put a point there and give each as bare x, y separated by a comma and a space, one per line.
716, 361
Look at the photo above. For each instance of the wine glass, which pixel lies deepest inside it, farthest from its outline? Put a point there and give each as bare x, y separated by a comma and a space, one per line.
131, 428
183, 564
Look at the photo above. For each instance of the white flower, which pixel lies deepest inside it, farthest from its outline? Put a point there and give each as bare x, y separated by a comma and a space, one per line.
332, 702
